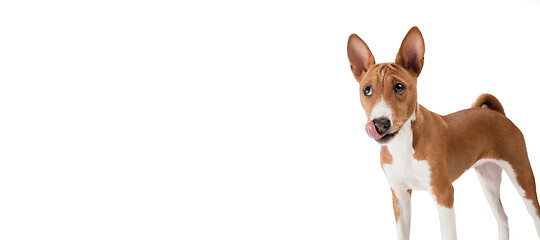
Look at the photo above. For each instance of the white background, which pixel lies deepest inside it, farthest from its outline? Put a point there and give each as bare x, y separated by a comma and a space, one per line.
238, 120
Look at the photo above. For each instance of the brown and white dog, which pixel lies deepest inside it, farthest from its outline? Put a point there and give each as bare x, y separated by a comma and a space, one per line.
421, 150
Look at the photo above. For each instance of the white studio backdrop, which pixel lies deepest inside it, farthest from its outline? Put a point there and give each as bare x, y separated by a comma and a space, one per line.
238, 119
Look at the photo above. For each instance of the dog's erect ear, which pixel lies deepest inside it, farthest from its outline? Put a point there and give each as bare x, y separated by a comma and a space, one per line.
359, 55
411, 52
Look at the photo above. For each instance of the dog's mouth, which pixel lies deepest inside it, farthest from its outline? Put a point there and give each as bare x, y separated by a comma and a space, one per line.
381, 138
386, 137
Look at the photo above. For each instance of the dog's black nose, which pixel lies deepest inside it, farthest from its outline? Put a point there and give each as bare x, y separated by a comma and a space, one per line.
381, 124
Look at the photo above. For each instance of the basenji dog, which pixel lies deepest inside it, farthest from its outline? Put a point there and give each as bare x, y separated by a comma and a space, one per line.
422, 150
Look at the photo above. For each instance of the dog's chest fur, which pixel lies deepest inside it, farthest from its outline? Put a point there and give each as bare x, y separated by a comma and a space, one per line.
403, 171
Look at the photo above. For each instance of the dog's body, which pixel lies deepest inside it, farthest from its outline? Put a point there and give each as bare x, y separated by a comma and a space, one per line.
421, 150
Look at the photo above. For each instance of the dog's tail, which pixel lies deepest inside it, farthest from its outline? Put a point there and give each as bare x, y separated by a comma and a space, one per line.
488, 101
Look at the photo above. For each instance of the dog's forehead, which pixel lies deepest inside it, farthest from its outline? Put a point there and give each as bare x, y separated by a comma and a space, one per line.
373, 74
382, 73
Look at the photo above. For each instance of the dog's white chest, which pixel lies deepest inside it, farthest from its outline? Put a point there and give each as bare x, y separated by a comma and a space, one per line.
406, 172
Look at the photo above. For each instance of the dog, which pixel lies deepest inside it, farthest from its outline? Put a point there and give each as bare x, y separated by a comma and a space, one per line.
422, 150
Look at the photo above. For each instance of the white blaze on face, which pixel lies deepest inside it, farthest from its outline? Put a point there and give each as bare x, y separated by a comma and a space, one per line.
381, 109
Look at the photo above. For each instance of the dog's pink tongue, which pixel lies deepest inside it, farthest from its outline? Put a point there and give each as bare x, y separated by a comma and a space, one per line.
372, 131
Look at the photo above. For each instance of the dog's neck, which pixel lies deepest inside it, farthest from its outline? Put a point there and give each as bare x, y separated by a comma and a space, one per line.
403, 140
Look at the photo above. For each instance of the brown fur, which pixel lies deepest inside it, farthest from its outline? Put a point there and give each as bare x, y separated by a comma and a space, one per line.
488, 101
386, 157
450, 144
395, 203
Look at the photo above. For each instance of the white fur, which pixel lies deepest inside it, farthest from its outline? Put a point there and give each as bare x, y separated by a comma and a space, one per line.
381, 109
489, 174
403, 224
406, 172
403, 228
512, 175
447, 220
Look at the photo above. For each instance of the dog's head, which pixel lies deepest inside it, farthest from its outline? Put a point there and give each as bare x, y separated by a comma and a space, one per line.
387, 90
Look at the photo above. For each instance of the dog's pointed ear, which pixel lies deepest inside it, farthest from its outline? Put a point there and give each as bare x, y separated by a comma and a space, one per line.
411, 52
359, 55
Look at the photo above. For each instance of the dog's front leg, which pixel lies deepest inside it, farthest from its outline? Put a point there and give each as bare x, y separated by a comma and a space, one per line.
402, 211
444, 198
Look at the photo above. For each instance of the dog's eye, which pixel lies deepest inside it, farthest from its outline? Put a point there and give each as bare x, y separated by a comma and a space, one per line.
399, 88
368, 91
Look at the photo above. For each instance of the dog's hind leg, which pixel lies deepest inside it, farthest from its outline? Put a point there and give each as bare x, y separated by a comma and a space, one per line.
489, 174
520, 173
